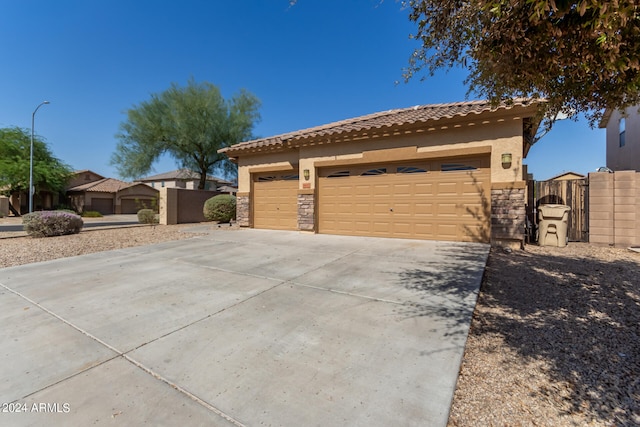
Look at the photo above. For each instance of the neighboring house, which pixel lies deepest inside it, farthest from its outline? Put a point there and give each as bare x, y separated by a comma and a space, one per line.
182, 178
566, 176
89, 191
83, 177
441, 172
623, 138
228, 189
42, 199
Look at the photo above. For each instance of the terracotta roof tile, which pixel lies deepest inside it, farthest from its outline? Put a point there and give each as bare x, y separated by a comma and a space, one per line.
391, 118
180, 174
106, 185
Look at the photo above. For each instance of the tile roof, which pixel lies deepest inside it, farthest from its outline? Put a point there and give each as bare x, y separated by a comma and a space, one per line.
87, 171
106, 185
185, 174
386, 119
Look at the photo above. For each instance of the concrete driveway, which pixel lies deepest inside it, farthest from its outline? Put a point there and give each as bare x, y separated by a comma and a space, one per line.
240, 327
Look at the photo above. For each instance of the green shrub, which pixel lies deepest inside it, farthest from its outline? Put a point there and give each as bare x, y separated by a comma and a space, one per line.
147, 216
64, 207
91, 214
221, 208
51, 223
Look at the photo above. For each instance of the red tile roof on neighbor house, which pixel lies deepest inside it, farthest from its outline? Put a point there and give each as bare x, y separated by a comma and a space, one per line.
106, 185
181, 174
386, 119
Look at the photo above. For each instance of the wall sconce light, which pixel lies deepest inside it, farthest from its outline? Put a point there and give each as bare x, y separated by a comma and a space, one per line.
506, 160
306, 174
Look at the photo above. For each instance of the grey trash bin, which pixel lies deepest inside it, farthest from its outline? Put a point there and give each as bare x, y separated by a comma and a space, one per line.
553, 224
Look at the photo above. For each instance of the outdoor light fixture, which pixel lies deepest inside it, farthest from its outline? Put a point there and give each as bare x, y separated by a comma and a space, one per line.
306, 174
506, 160
33, 117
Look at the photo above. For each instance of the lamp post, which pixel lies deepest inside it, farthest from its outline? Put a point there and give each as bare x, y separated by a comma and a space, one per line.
33, 117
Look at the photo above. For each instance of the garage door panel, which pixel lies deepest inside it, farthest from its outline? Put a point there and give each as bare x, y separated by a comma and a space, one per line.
423, 188
449, 231
275, 203
428, 205
448, 209
448, 189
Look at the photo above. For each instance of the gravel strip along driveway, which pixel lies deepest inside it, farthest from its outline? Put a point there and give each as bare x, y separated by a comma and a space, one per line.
554, 340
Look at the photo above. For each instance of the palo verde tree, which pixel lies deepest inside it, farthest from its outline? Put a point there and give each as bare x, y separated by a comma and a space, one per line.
49, 173
190, 124
581, 56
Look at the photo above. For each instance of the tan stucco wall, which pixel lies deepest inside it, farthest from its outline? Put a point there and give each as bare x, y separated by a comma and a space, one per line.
168, 206
283, 161
83, 178
497, 136
627, 157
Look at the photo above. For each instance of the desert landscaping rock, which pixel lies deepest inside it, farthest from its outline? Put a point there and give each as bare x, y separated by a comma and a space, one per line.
554, 340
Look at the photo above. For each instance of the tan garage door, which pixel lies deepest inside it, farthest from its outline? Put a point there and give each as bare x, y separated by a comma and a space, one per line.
104, 206
445, 199
132, 206
275, 203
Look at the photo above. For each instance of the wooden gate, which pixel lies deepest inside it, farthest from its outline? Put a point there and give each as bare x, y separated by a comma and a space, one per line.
573, 193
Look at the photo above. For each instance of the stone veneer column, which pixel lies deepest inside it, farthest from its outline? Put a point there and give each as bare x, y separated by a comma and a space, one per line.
306, 212
242, 210
508, 215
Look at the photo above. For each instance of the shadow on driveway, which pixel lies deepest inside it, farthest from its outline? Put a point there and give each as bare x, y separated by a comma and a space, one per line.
242, 327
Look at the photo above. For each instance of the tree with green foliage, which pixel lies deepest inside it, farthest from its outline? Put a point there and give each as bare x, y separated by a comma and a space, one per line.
581, 56
188, 123
49, 173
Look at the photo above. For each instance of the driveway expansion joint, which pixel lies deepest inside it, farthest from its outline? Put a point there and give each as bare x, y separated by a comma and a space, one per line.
128, 358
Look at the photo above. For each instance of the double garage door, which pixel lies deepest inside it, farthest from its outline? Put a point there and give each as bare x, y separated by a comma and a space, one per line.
444, 199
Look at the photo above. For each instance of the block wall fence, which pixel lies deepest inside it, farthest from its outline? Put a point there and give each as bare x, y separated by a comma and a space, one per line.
614, 208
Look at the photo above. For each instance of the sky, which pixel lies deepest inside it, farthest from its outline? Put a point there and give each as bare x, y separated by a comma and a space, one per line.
314, 63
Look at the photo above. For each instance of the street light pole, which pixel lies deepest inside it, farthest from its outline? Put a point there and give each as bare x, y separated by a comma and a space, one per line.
33, 117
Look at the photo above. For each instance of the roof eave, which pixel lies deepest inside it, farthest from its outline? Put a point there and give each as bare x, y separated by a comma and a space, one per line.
328, 134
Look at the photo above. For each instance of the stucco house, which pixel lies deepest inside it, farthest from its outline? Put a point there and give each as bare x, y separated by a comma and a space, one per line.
89, 191
182, 178
623, 138
441, 172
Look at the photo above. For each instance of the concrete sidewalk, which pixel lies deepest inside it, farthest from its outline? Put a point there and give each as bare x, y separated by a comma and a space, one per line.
241, 327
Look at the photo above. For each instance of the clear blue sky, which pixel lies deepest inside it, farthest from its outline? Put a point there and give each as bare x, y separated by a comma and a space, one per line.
317, 62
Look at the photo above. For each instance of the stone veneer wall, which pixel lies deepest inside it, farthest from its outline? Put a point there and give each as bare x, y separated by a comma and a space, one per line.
306, 212
508, 215
242, 210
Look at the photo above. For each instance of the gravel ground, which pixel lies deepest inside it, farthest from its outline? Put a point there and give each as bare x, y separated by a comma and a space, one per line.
554, 341
24, 250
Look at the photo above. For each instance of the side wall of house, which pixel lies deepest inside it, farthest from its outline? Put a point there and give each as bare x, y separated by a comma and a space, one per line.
626, 157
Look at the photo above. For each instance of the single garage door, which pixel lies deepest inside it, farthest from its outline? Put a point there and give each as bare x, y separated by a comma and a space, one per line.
275, 201
132, 206
444, 199
104, 206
